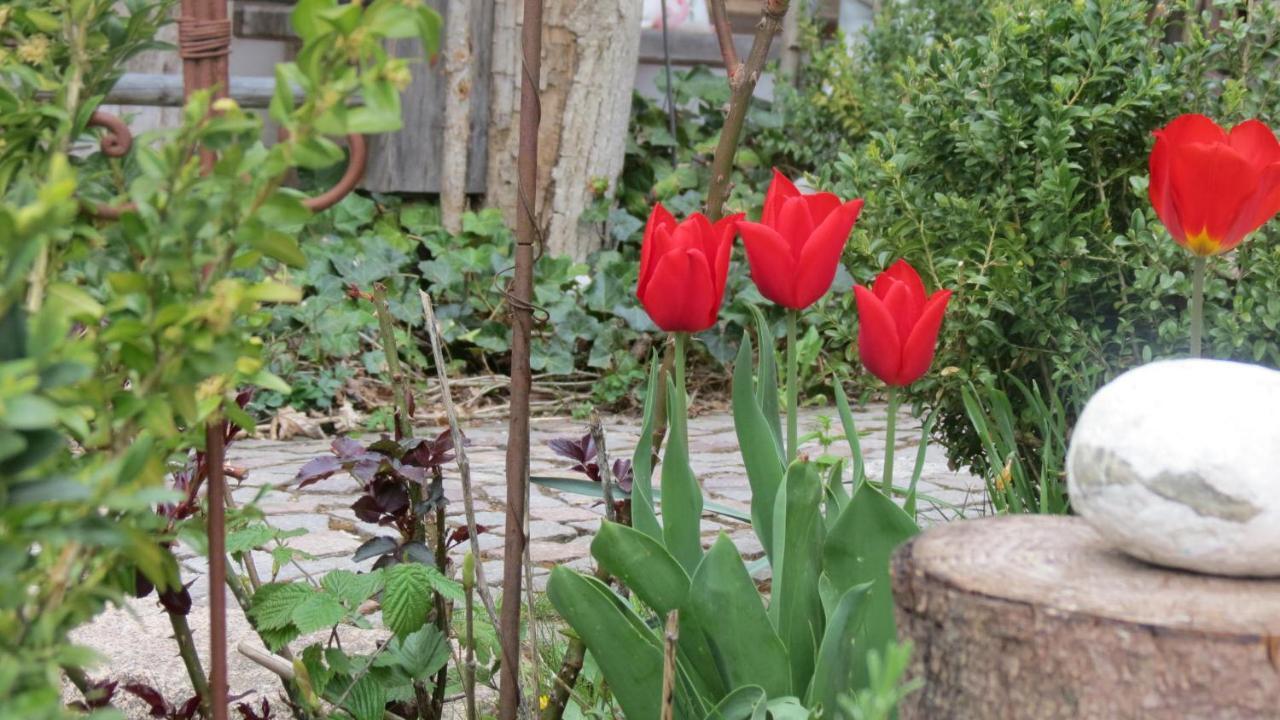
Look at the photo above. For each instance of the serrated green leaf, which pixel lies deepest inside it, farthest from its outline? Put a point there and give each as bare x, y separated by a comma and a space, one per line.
367, 699
274, 603
352, 588
406, 597
320, 610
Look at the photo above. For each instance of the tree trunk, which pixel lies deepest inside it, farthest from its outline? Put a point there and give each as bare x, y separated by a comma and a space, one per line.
457, 112
1037, 618
590, 49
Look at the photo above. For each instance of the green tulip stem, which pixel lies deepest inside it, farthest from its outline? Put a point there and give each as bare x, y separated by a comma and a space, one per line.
682, 340
1197, 302
793, 390
890, 426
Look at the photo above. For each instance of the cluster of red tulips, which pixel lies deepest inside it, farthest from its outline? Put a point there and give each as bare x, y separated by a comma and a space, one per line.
793, 253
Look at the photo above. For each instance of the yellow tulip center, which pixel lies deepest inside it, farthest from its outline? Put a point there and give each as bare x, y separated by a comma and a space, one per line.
1202, 243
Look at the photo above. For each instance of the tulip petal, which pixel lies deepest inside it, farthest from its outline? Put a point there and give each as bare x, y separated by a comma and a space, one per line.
1255, 141
1267, 198
721, 248
780, 189
772, 267
1192, 128
820, 256
903, 307
903, 273
680, 292
1159, 189
821, 205
795, 224
878, 343
919, 348
1211, 186
659, 217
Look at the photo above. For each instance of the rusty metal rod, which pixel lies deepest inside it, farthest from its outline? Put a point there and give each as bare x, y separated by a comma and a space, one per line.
519, 299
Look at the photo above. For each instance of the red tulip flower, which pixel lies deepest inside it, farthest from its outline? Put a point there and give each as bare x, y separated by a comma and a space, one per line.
898, 325
1211, 188
683, 267
795, 247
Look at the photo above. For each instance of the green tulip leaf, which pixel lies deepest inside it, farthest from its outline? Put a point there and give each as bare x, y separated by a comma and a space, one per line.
643, 516
833, 673
796, 608
741, 704
643, 565
850, 430
761, 453
628, 653
725, 603
857, 551
681, 494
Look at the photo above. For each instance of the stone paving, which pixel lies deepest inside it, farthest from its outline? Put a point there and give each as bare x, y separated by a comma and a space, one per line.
137, 638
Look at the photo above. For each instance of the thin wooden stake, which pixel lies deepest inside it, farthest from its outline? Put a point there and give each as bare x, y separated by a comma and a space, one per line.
459, 454
669, 666
519, 300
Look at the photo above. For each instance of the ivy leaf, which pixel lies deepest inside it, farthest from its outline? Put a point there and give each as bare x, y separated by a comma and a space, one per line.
274, 603
407, 597
320, 610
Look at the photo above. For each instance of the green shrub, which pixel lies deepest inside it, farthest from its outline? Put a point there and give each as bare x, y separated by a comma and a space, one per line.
1003, 151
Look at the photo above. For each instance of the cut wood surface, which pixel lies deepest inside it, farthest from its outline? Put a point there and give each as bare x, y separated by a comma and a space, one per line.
1036, 617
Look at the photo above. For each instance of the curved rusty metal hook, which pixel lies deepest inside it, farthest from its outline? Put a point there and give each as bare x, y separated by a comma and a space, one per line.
359, 156
118, 139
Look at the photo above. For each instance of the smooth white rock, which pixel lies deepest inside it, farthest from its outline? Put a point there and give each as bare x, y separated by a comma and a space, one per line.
1178, 463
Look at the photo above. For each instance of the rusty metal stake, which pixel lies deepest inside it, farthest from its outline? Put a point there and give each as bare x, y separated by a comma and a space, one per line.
519, 300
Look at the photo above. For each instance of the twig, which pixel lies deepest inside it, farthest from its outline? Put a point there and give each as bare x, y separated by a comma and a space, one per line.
724, 33
602, 462
190, 657
743, 84
669, 665
459, 453
283, 669
400, 385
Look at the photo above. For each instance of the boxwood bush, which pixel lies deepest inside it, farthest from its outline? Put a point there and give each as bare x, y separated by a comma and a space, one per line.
1001, 148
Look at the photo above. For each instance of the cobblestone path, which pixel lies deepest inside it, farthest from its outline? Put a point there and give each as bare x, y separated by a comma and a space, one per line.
137, 639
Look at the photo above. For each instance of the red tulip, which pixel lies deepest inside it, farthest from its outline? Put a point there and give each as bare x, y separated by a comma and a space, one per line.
795, 247
1212, 188
898, 325
683, 267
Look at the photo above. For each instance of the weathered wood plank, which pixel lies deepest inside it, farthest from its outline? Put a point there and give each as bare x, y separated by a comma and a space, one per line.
409, 160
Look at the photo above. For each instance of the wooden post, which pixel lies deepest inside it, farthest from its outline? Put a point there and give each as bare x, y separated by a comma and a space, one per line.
1036, 617
457, 111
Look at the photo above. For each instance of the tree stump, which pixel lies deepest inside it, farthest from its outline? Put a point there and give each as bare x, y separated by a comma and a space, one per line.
1037, 618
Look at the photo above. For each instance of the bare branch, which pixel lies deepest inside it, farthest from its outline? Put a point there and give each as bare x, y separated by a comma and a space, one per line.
724, 33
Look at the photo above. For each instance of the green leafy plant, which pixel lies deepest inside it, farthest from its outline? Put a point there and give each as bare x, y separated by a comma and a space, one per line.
828, 551
1002, 148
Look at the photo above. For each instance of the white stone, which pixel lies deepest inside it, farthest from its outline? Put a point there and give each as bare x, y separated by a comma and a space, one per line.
1178, 463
